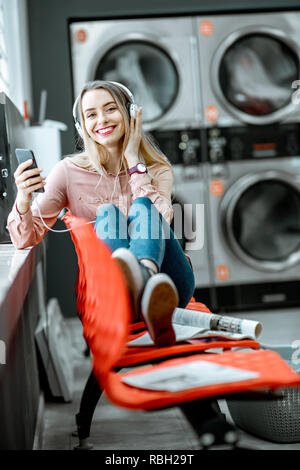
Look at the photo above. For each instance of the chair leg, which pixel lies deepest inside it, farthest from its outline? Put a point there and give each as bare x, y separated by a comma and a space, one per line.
89, 400
209, 423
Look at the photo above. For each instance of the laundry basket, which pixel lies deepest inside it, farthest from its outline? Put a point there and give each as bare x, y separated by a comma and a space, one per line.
274, 419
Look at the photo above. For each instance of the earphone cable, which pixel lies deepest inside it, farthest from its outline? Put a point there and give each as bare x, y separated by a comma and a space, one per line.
58, 231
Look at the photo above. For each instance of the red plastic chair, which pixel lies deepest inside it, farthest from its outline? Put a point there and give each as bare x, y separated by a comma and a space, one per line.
104, 309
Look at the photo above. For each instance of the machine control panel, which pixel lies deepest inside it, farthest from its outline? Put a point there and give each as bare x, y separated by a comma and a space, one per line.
182, 147
253, 142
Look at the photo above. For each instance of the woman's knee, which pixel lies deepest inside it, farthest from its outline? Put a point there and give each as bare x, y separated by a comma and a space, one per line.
143, 200
111, 223
144, 208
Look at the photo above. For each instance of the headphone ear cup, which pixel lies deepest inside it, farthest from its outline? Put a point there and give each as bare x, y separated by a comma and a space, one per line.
131, 109
78, 128
128, 108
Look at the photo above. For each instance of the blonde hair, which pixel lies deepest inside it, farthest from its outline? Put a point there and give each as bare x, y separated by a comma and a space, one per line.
94, 155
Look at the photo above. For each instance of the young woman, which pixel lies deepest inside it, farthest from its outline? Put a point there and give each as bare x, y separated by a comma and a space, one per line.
123, 183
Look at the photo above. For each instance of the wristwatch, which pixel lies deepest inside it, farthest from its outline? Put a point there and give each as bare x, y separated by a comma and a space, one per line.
139, 168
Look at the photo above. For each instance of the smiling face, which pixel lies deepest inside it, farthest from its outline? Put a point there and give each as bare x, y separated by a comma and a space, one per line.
102, 118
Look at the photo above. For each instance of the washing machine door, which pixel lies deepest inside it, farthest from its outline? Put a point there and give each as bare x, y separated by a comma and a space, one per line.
147, 70
261, 220
255, 72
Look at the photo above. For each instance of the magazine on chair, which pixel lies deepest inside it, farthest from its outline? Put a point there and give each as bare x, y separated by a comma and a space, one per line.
191, 324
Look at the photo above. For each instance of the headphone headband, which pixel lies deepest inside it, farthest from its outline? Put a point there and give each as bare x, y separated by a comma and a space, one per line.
124, 88
75, 105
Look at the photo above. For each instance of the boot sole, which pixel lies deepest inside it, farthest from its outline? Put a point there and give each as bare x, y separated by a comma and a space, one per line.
159, 300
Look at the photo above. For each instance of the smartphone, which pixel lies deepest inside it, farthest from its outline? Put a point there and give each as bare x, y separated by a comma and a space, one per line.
26, 154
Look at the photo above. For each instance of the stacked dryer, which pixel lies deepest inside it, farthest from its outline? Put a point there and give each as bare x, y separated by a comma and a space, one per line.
157, 59
249, 66
218, 89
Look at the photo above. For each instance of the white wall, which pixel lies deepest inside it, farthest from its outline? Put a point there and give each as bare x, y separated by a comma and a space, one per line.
17, 45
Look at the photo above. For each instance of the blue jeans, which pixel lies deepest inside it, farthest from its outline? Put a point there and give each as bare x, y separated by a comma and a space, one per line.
148, 236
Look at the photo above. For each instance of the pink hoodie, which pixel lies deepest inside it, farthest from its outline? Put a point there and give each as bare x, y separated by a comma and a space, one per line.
82, 192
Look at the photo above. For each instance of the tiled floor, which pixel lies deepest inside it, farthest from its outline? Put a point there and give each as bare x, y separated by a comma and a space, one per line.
115, 428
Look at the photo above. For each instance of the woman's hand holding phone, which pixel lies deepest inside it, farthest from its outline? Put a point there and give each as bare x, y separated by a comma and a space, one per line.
27, 182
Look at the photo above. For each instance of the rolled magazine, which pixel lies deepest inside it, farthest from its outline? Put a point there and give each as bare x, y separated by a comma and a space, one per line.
190, 325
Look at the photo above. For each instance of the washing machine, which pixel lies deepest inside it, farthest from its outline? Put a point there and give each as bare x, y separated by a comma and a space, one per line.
156, 58
249, 67
254, 215
184, 149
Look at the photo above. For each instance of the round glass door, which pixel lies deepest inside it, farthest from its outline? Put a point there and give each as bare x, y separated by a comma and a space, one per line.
256, 74
266, 221
147, 71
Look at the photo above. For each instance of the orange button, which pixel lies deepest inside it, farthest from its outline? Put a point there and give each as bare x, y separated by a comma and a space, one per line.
217, 187
81, 35
211, 113
206, 28
222, 272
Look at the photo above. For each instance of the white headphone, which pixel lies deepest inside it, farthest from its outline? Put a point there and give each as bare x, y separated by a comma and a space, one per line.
131, 106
